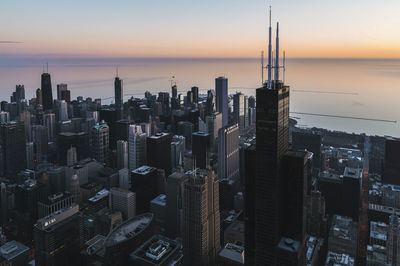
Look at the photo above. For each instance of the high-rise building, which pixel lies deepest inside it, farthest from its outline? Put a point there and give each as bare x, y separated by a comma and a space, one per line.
40, 139
352, 179
221, 88
272, 131
174, 192
60, 89
228, 153
19, 93
57, 238
39, 96
391, 172
99, 142
201, 226
137, 147
4, 117
49, 121
62, 110
25, 116
177, 151
214, 124
144, 182
201, 149
47, 92
210, 102
122, 154
72, 157
159, 151
393, 243
124, 201
12, 149
240, 110
174, 91
119, 96
30, 155
195, 94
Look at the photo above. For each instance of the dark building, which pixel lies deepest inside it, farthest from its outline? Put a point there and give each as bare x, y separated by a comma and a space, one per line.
27, 197
110, 116
144, 183
174, 91
159, 152
201, 149
195, 94
174, 192
47, 92
294, 191
122, 129
352, 192
99, 142
78, 140
290, 252
12, 149
310, 142
249, 197
57, 238
331, 187
272, 130
221, 88
119, 97
391, 174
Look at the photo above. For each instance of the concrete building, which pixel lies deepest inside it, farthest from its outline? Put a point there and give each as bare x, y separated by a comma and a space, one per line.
122, 154
124, 201
99, 142
137, 147
228, 153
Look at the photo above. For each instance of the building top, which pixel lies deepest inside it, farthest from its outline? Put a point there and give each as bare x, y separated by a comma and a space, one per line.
129, 229
330, 177
12, 249
144, 170
160, 200
158, 135
343, 228
355, 173
339, 259
313, 245
391, 187
378, 230
156, 251
57, 197
95, 244
101, 125
233, 252
204, 134
56, 217
289, 245
100, 195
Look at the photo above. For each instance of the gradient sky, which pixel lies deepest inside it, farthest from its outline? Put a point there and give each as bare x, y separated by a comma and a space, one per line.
193, 28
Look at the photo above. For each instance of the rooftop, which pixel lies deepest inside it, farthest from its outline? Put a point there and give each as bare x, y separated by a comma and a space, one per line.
129, 229
160, 200
233, 252
378, 230
156, 251
56, 217
144, 170
339, 259
289, 244
12, 249
353, 172
159, 135
100, 195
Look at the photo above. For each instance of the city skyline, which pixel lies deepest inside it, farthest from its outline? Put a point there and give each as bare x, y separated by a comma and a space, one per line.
209, 29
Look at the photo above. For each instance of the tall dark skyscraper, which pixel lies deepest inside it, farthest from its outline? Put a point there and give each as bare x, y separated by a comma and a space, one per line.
201, 149
221, 88
159, 151
272, 130
195, 94
174, 91
47, 93
119, 96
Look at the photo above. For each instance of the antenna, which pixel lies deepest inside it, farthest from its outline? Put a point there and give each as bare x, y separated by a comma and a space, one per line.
47, 65
117, 71
43, 68
269, 51
284, 66
262, 68
277, 54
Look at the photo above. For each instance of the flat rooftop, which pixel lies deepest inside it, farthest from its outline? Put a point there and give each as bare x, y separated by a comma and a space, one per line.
159, 135
355, 173
156, 251
339, 259
12, 249
144, 170
378, 230
160, 200
233, 252
100, 195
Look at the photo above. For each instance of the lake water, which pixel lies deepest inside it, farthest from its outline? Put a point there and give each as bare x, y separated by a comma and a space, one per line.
373, 86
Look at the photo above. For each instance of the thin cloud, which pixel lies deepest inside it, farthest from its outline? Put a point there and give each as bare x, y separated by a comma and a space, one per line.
9, 42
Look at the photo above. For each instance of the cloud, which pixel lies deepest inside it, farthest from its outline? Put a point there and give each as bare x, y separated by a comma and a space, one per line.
9, 42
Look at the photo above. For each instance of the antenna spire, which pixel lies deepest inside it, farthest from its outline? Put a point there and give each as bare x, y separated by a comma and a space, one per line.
47, 67
277, 53
262, 68
269, 51
117, 71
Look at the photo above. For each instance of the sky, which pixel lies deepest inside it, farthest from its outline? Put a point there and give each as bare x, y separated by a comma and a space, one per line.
198, 29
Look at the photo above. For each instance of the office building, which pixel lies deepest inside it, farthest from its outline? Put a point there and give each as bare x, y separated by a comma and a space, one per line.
201, 149
40, 140
119, 96
158, 206
144, 182
221, 88
122, 154
290, 252
391, 172
178, 149
352, 180
195, 94
393, 245
124, 178
137, 147
14, 253
124, 201
99, 142
174, 91
60, 89
343, 236
174, 193
57, 238
47, 92
240, 110
231, 255
159, 151
13, 149
122, 128
4, 117
72, 157
54, 203
49, 121
201, 222
30, 155
228, 153
62, 110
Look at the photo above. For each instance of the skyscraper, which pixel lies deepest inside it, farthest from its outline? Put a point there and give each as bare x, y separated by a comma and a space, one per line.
60, 89
49, 121
137, 147
195, 94
221, 88
40, 140
47, 93
99, 142
174, 192
122, 154
228, 153
119, 96
240, 110
124, 201
201, 149
12, 151
57, 238
201, 226
174, 91
393, 245
72, 157
159, 151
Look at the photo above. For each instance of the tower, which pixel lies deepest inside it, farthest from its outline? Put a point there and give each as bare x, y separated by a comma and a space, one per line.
201, 226
228, 153
137, 147
119, 96
122, 154
159, 151
99, 142
124, 201
47, 93
221, 88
